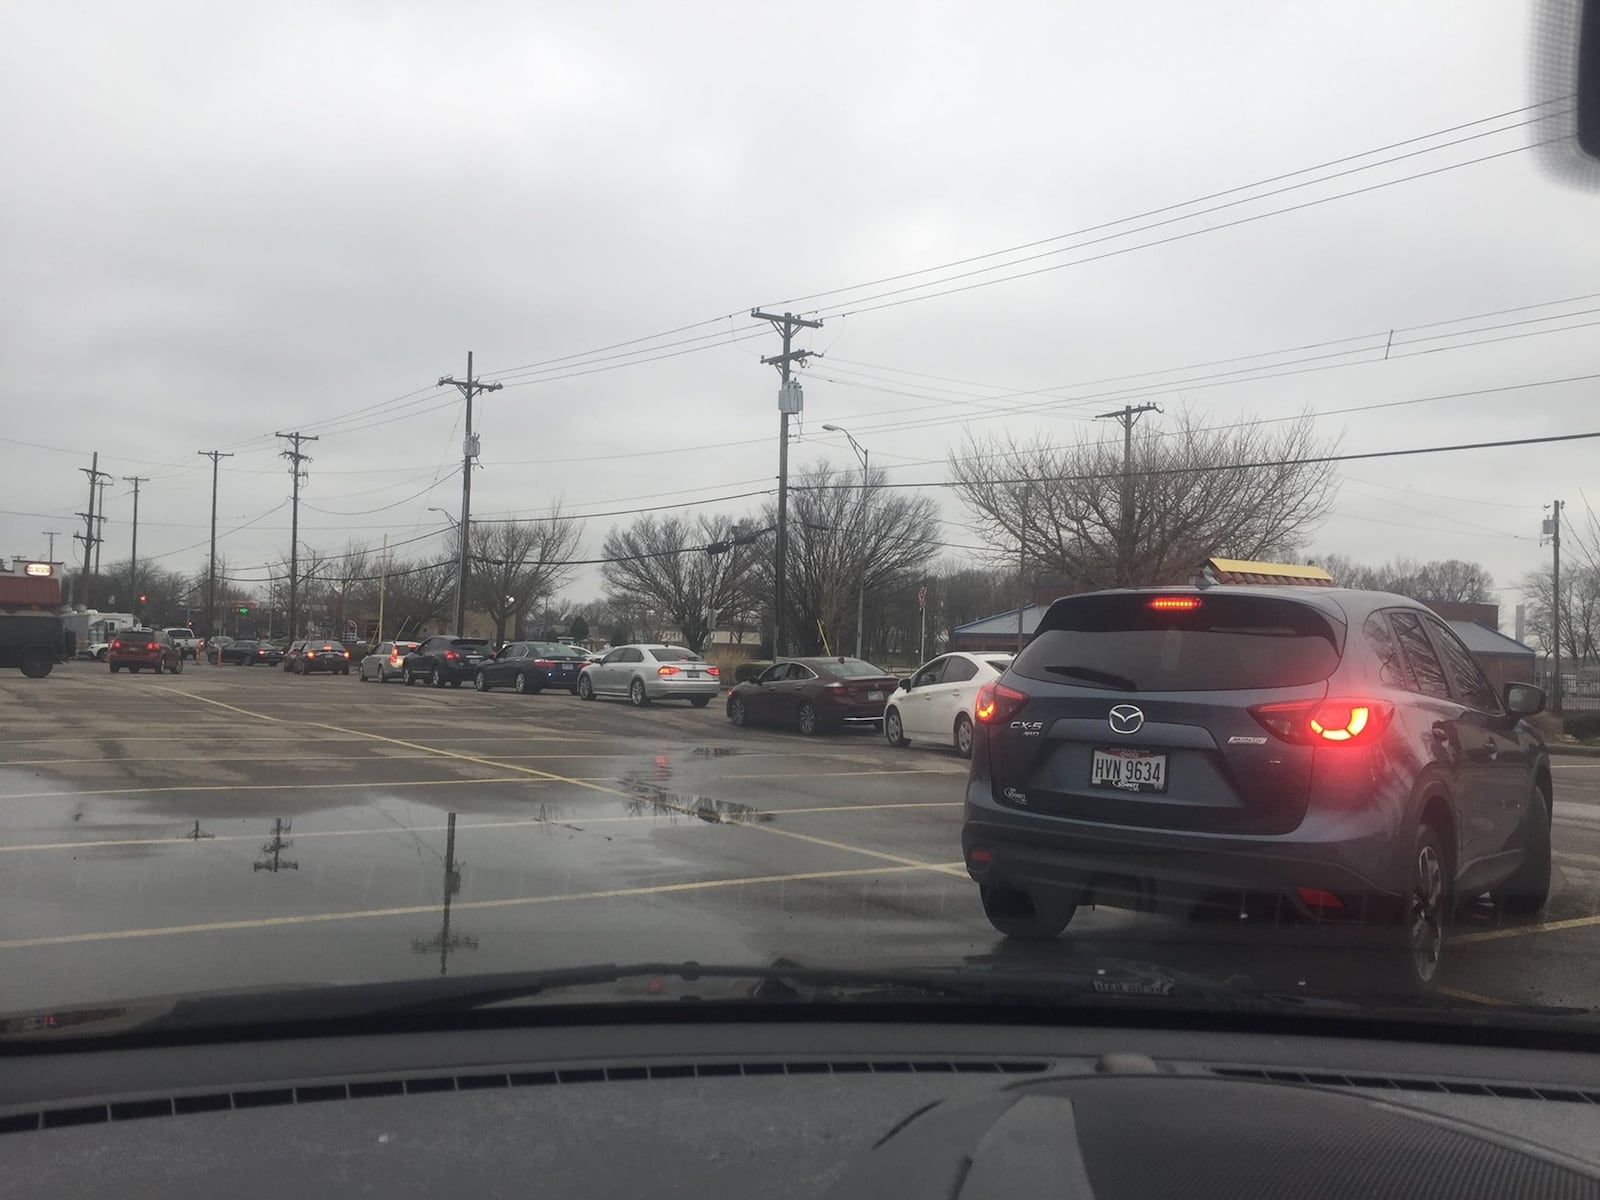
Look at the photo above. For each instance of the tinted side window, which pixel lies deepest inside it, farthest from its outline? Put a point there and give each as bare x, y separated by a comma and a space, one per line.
1427, 671
960, 670
930, 674
1381, 641
798, 673
774, 673
631, 656
1471, 685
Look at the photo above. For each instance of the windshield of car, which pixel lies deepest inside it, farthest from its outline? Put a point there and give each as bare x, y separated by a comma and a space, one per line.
1229, 365
1132, 642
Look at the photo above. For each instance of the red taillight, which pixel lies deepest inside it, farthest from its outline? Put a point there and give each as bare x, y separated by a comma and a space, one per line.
451, 654
980, 856
1338, 722
311, 653
347, 653
1319, 898
545, 663
666, 670
260, 651
152, 645
996, 702
1175, 603
116, 645
713, 670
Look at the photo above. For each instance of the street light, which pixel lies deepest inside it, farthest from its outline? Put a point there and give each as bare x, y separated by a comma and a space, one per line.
861, 591
454, 524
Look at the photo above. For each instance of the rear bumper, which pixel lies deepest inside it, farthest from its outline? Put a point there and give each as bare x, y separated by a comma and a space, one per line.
679, 689
852, 714
312, 665
1356, 855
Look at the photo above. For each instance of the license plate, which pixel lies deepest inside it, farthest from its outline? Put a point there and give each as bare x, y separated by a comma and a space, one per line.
874, 695
694, 675
1129, 770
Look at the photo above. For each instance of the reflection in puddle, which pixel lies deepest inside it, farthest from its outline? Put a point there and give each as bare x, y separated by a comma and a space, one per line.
445, 942
650, 800
714, 751
273, 850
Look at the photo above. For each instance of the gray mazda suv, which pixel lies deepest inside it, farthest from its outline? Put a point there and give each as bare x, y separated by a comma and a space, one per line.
1338, 754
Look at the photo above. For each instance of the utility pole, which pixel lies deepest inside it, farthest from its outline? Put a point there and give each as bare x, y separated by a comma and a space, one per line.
1022, 560
1552, 528
133, 554
1127, 415
90, 529
383, 584
447, 941
100, 523
469, 451
211, 572
790, 400
295, 457
51, 534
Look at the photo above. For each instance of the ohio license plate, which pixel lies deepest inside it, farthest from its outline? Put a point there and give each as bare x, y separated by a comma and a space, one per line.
874, 695
694, 674
1129, 770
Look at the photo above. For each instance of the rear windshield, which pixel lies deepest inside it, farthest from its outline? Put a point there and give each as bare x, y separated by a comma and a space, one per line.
1227, 643
675, 654
851, 668
556, 650
241, 645
470, 643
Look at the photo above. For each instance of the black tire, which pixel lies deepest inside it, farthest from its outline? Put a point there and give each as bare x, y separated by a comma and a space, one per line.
637, 696
736, 711
133, 670
407, 677
455, 683
894, 729
156, 667
1526, 892
177, 667
519, 685
480, 682
102, 655
115, 668
1417, 939
434, 678
361, 673
699, 701
1017, 915
585, 688
963, 735
36, 662
344, 670
805, 719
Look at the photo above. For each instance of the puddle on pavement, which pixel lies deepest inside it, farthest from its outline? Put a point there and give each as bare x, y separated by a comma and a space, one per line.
715, 751
648, 799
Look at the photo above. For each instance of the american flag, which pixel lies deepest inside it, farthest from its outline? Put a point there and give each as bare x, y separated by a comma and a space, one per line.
922, 597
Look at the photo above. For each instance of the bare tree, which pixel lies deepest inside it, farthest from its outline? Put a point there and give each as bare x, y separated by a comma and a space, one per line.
518, 563
1253, 490
1580, 612
416, 593
350, 586
1445, 580
663, 566
838, 532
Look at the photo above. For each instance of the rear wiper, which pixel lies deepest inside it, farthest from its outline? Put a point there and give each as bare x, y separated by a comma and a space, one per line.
1090, 675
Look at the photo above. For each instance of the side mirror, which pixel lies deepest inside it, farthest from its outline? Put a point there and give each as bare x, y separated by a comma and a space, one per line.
1524, 699
905, 685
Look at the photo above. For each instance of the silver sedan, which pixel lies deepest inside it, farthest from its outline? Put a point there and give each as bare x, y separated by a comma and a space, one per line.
385, 661
642, 673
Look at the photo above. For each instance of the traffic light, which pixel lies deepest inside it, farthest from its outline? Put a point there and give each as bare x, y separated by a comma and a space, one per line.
143, 599
244, 611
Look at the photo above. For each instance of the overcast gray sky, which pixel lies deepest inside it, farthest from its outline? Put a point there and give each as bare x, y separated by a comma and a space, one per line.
226, 220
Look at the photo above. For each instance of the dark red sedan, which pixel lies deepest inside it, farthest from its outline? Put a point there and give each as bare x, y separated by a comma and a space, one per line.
813, 695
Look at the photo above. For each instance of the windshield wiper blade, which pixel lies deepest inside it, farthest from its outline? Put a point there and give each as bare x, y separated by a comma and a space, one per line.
1090, 675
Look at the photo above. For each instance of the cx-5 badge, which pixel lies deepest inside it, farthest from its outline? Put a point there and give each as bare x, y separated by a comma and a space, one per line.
1126, 718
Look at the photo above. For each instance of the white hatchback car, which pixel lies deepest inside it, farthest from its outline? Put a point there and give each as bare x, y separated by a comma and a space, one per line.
935, 704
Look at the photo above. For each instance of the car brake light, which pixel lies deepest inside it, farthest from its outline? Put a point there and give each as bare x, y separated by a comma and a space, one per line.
1318, 898
116, 645
666, 670
347, 654
1175, 603
311, 653
1339, 722
996, 702
450, 654
545, 663
713, 670
152, 645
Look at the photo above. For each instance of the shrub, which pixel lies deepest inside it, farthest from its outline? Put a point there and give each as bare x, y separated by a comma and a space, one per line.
1583, 725
746, 672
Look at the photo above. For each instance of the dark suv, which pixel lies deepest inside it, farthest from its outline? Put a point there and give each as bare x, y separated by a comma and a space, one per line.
1338, 753
445, 659
137, 649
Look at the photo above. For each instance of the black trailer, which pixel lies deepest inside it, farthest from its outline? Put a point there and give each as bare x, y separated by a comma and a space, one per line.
34, 642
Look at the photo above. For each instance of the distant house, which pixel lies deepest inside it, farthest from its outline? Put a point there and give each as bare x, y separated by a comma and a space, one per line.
998, 632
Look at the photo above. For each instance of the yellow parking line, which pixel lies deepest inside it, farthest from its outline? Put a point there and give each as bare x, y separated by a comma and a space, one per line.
413, 910
1495, 935
462, 827
220, 704
1473, 997
259, 787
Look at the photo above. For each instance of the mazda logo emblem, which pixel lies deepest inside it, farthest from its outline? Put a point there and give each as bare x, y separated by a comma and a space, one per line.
1126, 718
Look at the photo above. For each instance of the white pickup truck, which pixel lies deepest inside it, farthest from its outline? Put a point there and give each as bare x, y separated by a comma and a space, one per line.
186, 640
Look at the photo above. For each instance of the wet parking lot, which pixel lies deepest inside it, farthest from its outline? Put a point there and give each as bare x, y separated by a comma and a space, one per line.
237, 827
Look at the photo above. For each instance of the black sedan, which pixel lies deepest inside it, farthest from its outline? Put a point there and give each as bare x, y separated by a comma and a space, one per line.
314, 656
530, 667
235, 654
